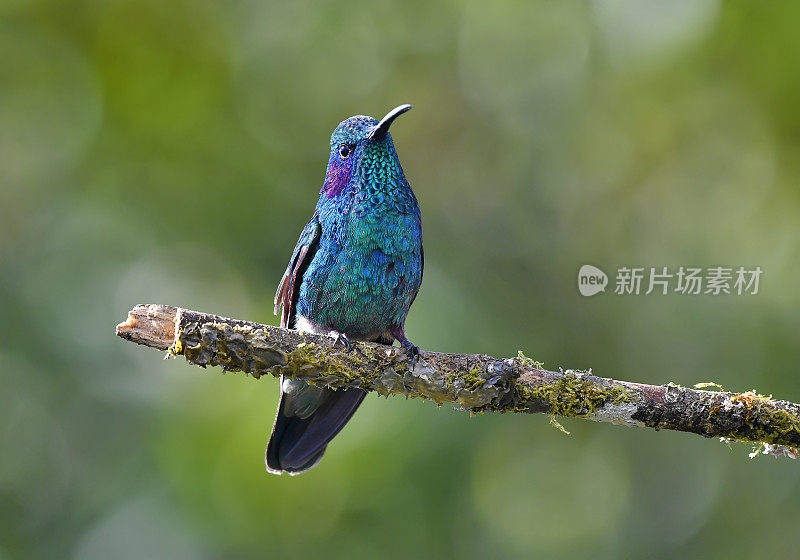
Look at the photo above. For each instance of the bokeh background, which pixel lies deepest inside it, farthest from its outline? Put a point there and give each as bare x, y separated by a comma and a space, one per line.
170, 152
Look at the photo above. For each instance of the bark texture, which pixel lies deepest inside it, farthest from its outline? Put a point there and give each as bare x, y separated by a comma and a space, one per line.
475, 382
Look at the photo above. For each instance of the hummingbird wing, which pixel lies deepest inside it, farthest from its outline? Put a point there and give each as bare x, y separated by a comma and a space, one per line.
289, 287
308, 417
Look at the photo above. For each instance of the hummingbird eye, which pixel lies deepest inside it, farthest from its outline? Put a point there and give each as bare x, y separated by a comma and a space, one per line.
345, 151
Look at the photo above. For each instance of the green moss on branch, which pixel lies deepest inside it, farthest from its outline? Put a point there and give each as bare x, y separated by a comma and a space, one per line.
473, 381
571, 395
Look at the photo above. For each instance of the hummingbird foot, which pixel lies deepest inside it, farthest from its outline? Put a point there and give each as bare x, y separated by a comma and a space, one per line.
410, 348
340, 340
413, 351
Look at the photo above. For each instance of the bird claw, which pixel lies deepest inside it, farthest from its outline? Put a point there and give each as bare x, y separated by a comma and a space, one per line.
341, 341
413, 351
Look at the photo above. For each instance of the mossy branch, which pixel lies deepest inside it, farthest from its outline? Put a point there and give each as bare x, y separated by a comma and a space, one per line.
475, 382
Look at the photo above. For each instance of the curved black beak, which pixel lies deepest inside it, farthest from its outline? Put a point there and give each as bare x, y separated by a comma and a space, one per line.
382, 127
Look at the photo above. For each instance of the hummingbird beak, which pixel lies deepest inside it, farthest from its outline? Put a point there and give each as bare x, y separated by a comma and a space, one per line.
382, 128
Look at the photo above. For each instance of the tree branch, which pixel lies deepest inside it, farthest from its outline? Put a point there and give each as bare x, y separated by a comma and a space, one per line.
476, 382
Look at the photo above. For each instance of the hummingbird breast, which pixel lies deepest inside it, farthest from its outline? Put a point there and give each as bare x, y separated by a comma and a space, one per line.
368, 266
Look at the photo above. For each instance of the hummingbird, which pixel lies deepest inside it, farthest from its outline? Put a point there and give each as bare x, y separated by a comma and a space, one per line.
353, 275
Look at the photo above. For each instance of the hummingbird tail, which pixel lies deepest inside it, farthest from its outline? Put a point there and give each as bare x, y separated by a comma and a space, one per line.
308, 419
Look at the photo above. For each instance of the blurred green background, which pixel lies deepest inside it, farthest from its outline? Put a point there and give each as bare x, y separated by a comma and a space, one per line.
170, 152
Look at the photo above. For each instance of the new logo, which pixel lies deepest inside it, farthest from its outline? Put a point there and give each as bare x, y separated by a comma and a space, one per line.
591, 280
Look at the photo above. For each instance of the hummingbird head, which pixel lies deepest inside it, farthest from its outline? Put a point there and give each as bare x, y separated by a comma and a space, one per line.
362, 147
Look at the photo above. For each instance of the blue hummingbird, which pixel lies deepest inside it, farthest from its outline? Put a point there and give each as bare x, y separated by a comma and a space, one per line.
354, 274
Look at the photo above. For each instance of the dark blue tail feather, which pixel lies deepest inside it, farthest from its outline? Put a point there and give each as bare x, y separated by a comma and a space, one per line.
297, 444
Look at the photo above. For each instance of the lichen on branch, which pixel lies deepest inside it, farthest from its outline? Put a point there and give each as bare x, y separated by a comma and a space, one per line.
473, 382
